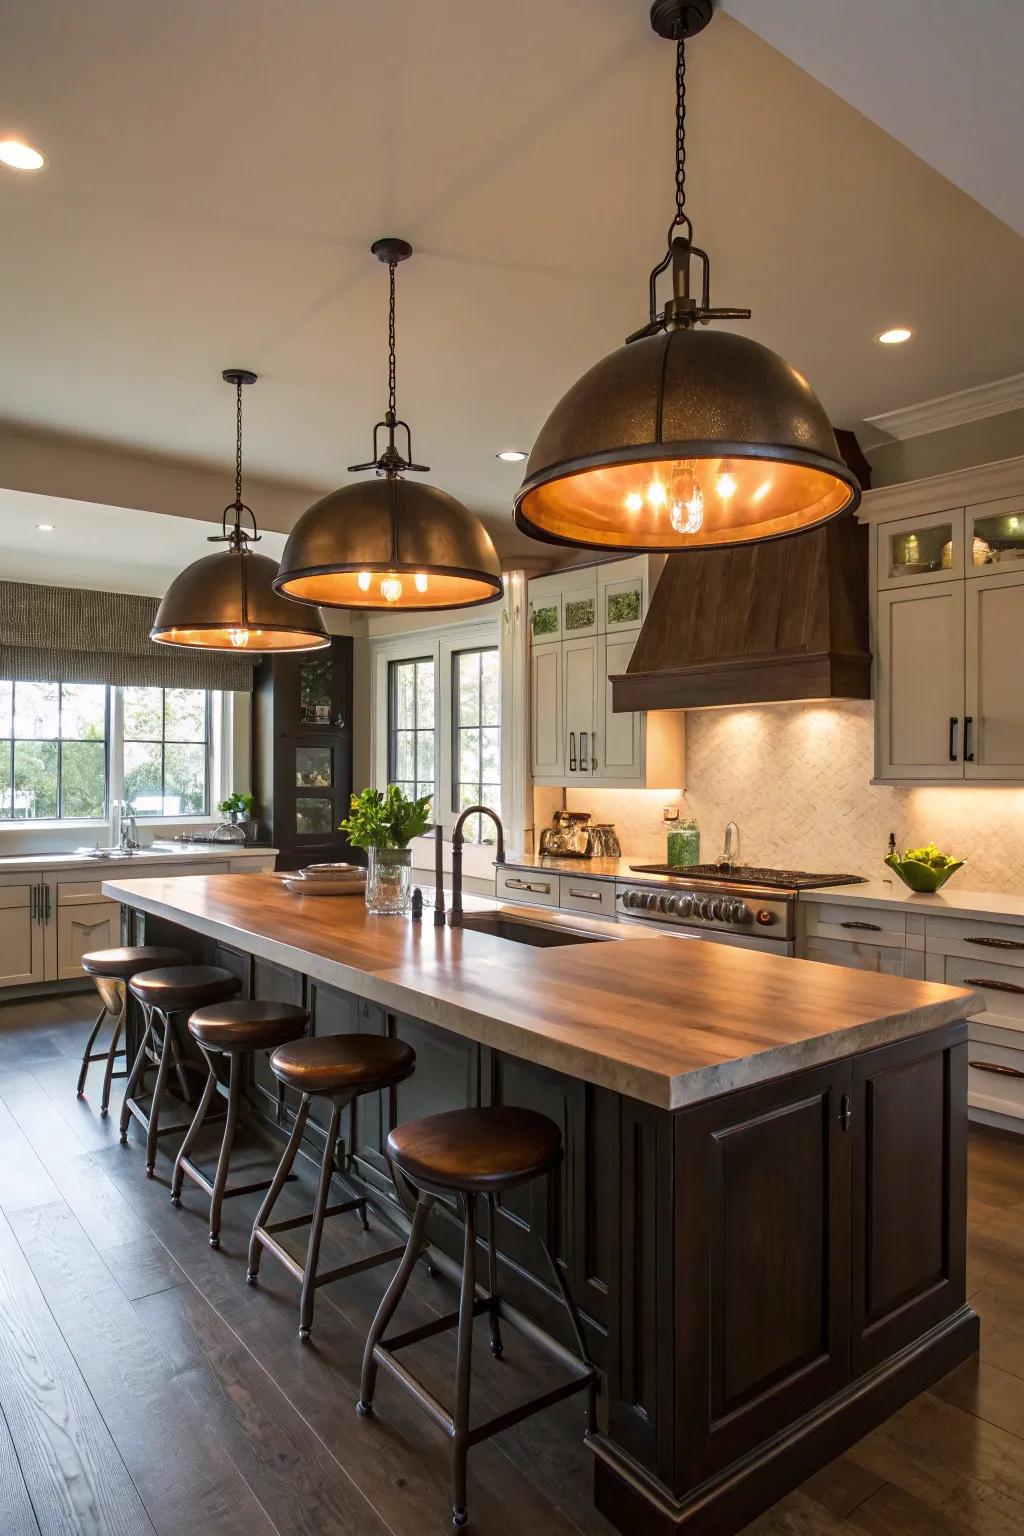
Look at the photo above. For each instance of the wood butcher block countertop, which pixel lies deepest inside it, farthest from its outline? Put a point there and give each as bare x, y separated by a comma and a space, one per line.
666, 1020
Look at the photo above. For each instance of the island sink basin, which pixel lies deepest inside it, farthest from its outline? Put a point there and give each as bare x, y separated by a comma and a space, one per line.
521, 931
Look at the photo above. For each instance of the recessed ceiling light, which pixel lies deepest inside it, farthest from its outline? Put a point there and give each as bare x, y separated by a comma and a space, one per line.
511, 455
19, 156
896, 336
44, 527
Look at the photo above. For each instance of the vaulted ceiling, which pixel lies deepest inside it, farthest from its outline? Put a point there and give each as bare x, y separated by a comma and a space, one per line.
217, 172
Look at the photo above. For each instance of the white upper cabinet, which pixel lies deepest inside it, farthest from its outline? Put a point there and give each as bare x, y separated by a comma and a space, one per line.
584, 623
948, 618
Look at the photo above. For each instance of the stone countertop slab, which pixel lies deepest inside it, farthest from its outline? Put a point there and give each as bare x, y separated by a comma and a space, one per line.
666, 1020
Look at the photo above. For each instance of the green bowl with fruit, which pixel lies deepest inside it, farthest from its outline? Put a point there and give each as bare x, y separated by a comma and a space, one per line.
924, 870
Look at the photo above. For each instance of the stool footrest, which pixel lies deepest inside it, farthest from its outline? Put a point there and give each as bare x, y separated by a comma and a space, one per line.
439, 1325
103, 1056
535, 1405
434, 1409
303, 1221
205, 1184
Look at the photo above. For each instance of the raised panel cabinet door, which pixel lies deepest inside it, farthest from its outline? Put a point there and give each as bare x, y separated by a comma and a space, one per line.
763, 1233
546, 710
82, 928
909, 1130
621, 737
21, 936
580, 688
994, 723
920, 709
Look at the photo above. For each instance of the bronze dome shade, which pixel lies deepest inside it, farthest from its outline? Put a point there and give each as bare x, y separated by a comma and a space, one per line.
226, 602
389, 528
684, 417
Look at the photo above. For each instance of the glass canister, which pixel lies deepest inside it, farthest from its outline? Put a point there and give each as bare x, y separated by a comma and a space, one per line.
684, 845
389, 881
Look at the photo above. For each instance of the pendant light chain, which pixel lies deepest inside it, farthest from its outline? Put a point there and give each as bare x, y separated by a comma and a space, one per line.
392, 406
238, 447
680, 217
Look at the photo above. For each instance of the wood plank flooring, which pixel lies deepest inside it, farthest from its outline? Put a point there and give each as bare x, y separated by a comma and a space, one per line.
145, 1390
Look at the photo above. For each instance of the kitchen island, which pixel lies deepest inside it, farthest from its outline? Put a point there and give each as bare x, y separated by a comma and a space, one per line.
762, 1205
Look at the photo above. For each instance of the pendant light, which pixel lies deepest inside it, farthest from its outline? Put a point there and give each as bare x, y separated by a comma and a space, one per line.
226, 601
684, 438
390, 543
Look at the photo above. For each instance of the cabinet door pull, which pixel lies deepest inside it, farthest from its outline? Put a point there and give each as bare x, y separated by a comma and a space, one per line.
583, 752
593, 750
872, 927
954, 724
988, 943
997, 1067
34, 902
968, 749
572, 751
845, 1111
596, 896
46, 892
526, 885
993, 986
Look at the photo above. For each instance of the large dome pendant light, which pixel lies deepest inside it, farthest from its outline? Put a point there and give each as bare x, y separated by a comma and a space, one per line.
684, 438
389, 543
226, 601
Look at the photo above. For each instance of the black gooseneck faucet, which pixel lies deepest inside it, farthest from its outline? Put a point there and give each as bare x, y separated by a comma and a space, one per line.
455, 915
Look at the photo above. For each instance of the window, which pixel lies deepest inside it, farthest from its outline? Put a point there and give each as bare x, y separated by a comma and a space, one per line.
53, 751
166, 751
476, 737
411, 730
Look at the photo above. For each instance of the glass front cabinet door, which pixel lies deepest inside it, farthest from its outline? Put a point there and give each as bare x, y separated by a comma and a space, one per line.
919, 551
995, 537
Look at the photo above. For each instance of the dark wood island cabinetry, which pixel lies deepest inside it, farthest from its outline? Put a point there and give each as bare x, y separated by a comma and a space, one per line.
769, 1261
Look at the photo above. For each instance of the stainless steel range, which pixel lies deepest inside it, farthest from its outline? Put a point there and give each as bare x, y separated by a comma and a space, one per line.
743, 906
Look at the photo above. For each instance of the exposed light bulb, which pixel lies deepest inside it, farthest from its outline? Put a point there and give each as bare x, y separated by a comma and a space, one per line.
762, 491
634, 501
726, 485
686, 509
363, 581
421, 581
656, 494
390, 589
238, 637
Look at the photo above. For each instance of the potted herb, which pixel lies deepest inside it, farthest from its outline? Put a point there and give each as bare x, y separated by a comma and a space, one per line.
237, 807
384, 823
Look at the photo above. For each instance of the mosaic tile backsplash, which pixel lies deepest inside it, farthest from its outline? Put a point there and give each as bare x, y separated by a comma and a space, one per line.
796, 779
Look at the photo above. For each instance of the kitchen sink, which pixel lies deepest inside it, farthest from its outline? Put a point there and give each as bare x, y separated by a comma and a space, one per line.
520, 930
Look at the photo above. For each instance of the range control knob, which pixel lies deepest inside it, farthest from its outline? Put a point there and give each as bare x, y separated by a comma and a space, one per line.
738, 912
631, 899
651, 901
665, 903
703, 907
766, 918
684, 905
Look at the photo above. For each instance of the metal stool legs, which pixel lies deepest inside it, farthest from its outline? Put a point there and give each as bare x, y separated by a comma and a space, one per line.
114, 996
146, 1057
264, 1232
217, 1190
389, 1305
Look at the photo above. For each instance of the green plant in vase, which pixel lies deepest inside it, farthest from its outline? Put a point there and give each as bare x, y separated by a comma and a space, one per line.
384, 822
237, 806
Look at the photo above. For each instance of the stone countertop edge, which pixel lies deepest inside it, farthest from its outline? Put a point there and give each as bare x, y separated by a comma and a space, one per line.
991, 905
530, 1044
15, 861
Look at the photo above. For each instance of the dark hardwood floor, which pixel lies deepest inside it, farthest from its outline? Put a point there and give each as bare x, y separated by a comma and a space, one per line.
144, 1388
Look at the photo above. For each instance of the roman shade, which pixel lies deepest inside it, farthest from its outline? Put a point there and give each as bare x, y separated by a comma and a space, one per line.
72, 635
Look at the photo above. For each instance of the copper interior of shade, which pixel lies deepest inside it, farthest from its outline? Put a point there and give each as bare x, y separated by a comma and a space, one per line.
598, 507
217, 639
342, 589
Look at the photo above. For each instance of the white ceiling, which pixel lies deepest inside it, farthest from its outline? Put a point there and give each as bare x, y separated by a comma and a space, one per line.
113, 549
218, 171
942, 77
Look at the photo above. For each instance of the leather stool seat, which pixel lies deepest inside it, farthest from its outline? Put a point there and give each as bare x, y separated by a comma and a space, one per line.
480, 1151
184, 986
330, 1064
123, 964
247, 1026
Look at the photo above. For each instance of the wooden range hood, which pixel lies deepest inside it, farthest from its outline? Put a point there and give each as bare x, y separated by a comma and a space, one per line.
761, 623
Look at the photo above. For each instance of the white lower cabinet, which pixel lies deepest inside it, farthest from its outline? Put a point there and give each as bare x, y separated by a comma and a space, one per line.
865, 955
21, 935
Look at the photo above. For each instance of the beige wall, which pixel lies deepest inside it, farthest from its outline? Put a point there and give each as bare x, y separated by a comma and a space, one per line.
796, 779
934, 453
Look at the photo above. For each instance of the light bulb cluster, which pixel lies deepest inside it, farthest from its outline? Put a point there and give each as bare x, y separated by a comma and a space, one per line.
240, 637
391, 584
681, 495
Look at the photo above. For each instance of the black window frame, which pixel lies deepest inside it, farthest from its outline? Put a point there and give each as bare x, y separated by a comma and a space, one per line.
12, 819
163, 743
417, 730
456, 702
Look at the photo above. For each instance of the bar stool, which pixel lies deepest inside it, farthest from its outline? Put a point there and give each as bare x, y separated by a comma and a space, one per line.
338, 1068
233, 1029
112, 969
466, 1153
163, 995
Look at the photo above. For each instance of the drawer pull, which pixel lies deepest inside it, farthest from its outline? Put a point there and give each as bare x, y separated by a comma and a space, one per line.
993, 986
596, 896
996, 1067
873, 927
527, 885
997, 943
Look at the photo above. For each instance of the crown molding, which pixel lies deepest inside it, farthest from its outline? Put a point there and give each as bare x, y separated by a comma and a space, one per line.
951, 410
948, 492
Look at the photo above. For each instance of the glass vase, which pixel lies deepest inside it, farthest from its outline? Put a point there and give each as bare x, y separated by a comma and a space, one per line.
389, 880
